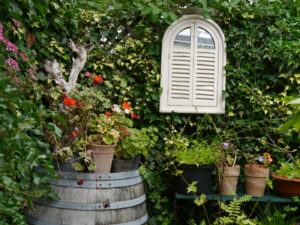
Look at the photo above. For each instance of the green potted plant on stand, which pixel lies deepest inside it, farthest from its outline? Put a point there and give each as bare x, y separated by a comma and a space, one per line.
130, 149
228, 170
195, 162
288, 178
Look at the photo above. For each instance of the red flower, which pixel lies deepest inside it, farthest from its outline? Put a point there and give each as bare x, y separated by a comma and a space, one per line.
64, 96
134, 116
69, 101
79, 104
98, 80
80, 181
126, 105
108, 114
74, 133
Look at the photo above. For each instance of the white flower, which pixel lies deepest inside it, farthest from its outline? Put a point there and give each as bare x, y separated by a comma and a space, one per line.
116, 108
127, 111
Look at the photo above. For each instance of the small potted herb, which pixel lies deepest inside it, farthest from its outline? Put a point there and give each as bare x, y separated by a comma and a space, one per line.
228, 170
195, 162
288, 178
256, 174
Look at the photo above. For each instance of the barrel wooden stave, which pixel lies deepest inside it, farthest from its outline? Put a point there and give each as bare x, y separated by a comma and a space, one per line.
72, 217
83, 204
85, 195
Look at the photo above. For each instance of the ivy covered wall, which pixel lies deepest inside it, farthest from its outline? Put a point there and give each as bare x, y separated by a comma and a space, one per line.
262, 70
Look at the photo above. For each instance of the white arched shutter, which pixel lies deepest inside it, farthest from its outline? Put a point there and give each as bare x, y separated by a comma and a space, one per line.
193, 60
181, 67
205, 67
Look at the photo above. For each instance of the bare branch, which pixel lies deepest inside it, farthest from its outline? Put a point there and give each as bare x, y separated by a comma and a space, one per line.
53, 71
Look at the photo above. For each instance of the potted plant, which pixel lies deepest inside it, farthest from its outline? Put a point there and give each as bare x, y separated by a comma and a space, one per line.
288, 178
228, 170
130, 149
195, 162
104, 132
256, 174
74, 111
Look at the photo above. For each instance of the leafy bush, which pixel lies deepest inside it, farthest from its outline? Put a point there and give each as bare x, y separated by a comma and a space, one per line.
290, 170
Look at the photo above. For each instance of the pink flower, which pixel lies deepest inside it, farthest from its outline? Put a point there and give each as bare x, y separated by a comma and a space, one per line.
16, 22
11, 47
34, 77
31, 71
18, 82
23, 56
87, 74
14, 28
12, 64
1, 29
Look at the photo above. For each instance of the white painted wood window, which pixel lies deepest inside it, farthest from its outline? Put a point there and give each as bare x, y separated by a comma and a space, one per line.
192, 67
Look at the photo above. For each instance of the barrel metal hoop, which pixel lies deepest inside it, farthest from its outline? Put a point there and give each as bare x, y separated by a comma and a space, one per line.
92, 206
94, 176
139, 221
100, 176
98, 184
35, 221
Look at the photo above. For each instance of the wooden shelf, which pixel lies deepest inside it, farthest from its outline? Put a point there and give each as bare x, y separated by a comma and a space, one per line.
217, 197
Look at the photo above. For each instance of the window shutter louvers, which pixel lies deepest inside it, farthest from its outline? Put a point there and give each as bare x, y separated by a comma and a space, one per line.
193, 58
180, 77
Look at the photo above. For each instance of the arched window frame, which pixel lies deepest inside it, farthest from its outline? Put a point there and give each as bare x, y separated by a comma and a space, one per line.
220, 61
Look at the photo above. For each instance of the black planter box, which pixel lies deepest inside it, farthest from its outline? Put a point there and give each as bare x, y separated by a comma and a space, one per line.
202, 174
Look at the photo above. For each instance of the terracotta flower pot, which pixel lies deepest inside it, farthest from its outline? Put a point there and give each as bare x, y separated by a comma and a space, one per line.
229, 178
287, 187
102, 155
256, 179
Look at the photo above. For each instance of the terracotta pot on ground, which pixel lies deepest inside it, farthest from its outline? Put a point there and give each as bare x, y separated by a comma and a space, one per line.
102, 155
229, 176
256, 179
287, 187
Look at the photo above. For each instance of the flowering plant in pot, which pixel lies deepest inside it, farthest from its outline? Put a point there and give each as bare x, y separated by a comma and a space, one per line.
288, 178
228, 170
195, 161
256, 174
74, 109
104, 133
130, 149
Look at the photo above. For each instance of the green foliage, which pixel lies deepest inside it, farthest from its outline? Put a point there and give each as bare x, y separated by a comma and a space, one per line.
289, 170
139, 141
295, 120
193, 153
262, 70
23, 121
280, 216
234, 211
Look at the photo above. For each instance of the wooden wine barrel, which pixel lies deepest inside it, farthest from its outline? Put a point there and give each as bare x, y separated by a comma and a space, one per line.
112, 198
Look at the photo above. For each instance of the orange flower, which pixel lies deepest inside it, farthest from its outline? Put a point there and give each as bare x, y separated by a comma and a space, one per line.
126, 105
98, 80
270, 159
132, 115
108, 114
69, 101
